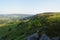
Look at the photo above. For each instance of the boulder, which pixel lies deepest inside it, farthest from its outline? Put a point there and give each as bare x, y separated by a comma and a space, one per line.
33, 37
55, 38
44, 37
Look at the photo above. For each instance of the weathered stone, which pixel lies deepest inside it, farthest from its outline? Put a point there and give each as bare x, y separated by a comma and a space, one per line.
55, 38
33, 37
44, 37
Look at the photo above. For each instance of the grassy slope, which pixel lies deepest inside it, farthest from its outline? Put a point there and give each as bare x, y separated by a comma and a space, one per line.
43, 23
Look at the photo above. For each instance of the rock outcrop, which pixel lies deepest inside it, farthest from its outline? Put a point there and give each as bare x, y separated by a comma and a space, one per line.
55, 38
33, 37
43, 37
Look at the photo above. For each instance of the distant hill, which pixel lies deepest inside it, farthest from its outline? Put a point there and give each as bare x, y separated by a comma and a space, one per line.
7, 18
48, 23
14, 16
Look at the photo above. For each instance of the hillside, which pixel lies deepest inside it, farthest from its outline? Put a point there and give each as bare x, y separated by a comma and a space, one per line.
48, 23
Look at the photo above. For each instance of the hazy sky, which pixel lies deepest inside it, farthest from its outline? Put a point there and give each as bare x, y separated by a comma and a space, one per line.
28, 6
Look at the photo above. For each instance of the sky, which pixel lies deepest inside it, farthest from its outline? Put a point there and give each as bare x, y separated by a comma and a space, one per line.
29, 6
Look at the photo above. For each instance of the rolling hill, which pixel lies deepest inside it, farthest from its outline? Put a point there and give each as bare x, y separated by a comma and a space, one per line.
48, 23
